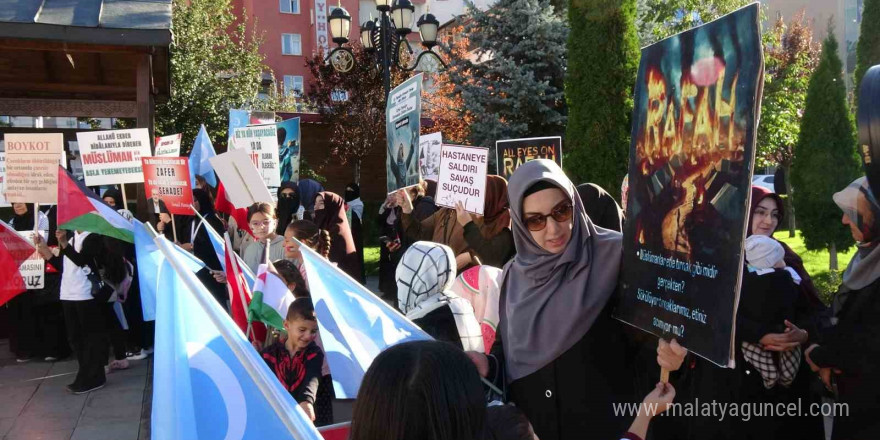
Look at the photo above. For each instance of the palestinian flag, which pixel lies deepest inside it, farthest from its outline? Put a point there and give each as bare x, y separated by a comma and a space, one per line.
80, 209
271, 298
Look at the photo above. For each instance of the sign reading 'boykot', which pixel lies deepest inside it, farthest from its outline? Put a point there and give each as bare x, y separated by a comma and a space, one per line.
113, 157
32, 167
463, 177
168, 178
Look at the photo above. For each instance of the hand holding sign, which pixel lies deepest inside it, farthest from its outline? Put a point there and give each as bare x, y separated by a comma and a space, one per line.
462, 215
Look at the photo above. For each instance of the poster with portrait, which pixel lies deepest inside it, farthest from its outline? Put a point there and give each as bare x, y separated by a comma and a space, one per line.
167, 178
402, 115
697, 103
289, 149
429, 155
512, 153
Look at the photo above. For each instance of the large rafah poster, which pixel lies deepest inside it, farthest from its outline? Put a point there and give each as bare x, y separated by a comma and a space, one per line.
697, 99
402, 118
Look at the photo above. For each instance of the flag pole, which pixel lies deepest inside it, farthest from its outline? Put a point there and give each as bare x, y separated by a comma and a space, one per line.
124, 198
173, 228
37, 219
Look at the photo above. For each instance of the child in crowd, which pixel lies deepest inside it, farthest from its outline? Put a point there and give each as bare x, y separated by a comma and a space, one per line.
297, 361
767, 302
292, 276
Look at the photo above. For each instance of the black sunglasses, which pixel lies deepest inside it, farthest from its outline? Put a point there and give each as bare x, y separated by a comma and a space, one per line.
560, 213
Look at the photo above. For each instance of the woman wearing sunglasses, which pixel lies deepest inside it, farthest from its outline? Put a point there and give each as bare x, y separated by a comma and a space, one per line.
565, 359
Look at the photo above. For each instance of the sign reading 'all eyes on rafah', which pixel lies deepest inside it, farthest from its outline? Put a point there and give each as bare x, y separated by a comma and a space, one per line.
463, 177
114, 156
512, 153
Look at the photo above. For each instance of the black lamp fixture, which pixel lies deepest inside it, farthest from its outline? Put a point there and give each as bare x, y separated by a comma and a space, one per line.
385, 36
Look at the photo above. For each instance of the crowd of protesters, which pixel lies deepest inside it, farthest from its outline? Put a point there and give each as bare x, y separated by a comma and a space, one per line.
520, 301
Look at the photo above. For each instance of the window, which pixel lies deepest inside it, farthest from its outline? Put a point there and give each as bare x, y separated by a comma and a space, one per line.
291, 44
293, 84
290, 6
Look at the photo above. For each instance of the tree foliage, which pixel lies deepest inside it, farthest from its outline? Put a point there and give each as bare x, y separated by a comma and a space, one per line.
440, 103
790, 56
825, 155
868, 47
215, 65
603, 56
353, 104
514, 87
659, 19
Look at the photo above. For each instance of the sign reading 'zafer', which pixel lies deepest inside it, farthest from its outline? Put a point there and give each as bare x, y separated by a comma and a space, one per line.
462, 177
113, 157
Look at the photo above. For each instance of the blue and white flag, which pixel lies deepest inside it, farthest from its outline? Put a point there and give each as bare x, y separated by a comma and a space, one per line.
151, 273
208, 381
202, 150
355, 324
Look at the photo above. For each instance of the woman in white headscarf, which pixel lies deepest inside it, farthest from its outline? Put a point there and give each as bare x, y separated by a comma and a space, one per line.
566, 360
849, 354
424, 276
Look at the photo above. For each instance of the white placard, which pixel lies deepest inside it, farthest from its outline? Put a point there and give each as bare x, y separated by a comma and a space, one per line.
168, 146
463, 177
261, 144
33, 269
429, 155
3, 201
114, 156
240, 178
403, 101
32, 161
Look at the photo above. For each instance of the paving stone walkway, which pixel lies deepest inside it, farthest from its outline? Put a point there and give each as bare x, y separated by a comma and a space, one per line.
35, 405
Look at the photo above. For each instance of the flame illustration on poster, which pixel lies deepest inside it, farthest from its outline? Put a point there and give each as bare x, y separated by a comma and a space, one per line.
697, 99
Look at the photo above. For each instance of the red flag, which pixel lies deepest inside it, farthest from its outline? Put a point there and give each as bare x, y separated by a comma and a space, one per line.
226, 207
14, 250
240, 296
339, 431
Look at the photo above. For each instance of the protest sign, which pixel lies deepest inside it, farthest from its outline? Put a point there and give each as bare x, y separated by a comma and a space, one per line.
462, 177
289, 149
429, 155
697, 99
237, 118
3, 201
260, 142
33, 269
511, 153
167, 179
76, 167
32, 161
168, 146
402, 116
114, 156
242, 182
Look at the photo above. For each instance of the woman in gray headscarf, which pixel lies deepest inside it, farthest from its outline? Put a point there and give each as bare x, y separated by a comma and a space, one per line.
849, 354
565, 359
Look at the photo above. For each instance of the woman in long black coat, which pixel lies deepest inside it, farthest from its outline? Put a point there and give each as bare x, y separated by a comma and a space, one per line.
848, 355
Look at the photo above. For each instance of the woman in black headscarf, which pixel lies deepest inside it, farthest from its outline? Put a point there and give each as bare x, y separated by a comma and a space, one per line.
202, 247
23, 339
330, 215
288, 205
354, 212
601, 207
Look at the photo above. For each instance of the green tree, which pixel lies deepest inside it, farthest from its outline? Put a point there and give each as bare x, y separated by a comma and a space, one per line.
825, 156
215, 65
515, 88
604, 55
660, 19
790, 55
868, 47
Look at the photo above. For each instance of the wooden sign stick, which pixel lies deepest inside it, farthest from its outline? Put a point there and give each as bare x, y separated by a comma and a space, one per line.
37, 218
173, 228
124, 198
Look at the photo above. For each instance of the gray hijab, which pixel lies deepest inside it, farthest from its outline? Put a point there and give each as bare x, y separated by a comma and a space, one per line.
552, 300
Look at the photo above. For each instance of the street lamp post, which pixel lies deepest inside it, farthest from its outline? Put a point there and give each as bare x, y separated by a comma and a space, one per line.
385, 37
